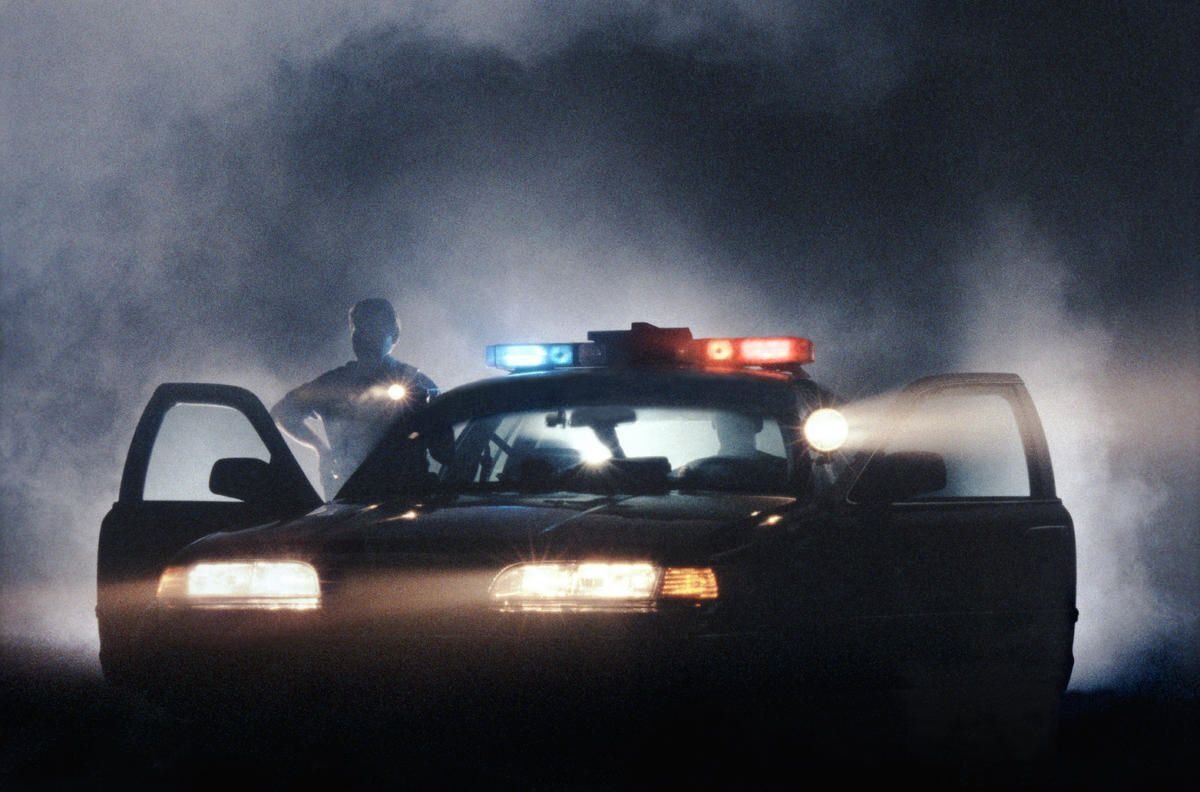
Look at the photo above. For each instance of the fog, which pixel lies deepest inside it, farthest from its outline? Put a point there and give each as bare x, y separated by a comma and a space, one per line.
199, 191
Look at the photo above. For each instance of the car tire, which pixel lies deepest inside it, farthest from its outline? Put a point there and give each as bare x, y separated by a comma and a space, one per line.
118, 662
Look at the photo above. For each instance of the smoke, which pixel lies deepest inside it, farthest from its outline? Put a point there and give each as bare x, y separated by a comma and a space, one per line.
1118, 433
199, 191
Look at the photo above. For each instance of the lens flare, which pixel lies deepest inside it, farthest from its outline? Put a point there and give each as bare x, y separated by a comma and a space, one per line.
826, 429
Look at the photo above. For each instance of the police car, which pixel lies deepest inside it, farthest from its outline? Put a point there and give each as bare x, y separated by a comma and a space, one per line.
640, 505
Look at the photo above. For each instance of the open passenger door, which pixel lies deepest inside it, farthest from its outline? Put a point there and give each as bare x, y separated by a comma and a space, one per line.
972, 552
947, 568
204, 458
972, 558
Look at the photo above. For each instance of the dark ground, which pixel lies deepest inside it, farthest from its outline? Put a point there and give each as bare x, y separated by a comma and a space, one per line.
62, 727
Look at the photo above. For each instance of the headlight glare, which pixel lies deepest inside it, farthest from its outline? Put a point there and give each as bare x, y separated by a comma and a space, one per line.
599, 585
588, 581
292, 585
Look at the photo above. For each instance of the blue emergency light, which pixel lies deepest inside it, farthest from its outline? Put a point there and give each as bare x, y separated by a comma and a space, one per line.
526, 357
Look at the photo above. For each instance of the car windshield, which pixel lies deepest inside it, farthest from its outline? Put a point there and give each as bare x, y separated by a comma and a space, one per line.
617, 448
559, 436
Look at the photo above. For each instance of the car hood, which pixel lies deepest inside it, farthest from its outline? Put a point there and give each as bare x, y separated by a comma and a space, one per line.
429, 563
492, 529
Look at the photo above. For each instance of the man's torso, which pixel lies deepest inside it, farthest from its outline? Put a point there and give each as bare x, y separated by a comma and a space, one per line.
356, 404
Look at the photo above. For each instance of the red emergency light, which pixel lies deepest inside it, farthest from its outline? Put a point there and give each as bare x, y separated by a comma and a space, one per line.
766, 352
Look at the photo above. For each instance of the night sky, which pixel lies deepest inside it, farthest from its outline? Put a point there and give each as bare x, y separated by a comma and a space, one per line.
200, 190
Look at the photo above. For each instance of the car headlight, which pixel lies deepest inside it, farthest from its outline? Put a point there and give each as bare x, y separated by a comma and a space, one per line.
600, 585
269, 585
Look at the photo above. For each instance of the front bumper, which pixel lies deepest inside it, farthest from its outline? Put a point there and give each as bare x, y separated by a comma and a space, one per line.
236, 652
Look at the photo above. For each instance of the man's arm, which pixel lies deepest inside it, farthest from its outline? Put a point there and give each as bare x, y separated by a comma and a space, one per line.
292, 413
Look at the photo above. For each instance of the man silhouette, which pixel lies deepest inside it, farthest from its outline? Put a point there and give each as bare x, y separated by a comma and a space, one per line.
353, 404
739, 462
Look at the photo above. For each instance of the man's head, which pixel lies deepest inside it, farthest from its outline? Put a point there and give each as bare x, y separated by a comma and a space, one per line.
374, 329
736, 433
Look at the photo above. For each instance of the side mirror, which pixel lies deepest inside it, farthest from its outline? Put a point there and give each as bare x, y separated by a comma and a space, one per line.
243, 478
901, 475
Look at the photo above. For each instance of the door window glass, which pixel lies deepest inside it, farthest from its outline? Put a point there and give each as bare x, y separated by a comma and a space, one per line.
977, 435
191, 439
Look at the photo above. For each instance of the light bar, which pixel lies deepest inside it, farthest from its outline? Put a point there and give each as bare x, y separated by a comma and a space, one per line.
646, 345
